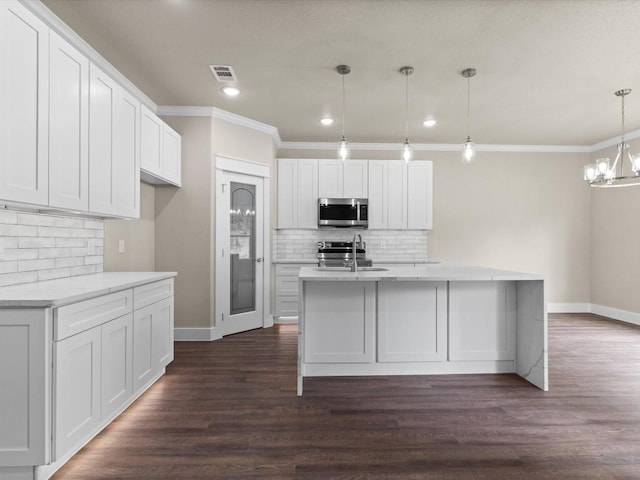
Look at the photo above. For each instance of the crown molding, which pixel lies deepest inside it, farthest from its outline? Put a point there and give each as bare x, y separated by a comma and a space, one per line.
87, 50
610, 142
437, 147
213, 112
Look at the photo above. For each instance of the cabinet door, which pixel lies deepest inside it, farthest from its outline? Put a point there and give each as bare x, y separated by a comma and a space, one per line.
482, 318
151, 133
355, 179
24, 96
307, 194
103, 175
378, 173
397, 195
162, 334
117, 350
171, 154
143, 369
330, 178
288, 193
412, 321
126, 146
77, 399
68, 126
420, 195
342, 331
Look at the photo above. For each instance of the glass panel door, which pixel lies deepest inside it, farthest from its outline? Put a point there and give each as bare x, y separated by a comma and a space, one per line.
243, 247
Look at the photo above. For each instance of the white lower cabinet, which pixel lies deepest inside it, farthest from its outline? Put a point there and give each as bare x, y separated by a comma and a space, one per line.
482, 321
412, 321
286, 282
153, 341
342, 331
66, 372
77, 371
117, 355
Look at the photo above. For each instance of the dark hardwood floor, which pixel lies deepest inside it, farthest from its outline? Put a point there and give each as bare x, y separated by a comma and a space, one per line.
228, 409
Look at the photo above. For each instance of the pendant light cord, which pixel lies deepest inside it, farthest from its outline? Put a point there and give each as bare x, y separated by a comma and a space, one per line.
468, 107
623, 127
406, 105
343, 106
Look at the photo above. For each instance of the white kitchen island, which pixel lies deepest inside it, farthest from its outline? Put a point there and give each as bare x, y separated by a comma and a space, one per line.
430, 319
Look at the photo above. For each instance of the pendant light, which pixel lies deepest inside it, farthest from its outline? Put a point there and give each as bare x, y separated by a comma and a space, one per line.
343, 147
468, 149
407, 150
602, 174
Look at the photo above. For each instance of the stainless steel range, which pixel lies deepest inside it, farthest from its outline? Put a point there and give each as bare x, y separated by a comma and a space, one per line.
340, 254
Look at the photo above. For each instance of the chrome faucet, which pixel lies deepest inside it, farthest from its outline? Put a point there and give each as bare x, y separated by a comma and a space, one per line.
354, 265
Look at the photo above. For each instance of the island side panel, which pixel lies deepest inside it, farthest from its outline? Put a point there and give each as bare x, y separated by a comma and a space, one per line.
301, 285
531, 340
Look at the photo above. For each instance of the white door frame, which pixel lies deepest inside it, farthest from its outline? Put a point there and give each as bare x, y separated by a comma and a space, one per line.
219, 284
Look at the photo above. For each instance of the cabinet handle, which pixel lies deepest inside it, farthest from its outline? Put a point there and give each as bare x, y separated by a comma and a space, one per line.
259, 259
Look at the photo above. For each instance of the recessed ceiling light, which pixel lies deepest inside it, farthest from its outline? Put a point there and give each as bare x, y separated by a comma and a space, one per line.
231, 91
326, 121
429, 123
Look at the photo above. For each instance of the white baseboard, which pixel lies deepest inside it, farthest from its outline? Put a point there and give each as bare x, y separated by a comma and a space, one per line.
285, 320
569, 308
196, 334
616, 314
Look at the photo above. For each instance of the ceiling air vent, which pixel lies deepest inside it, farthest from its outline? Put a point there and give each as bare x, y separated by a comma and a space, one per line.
224, 73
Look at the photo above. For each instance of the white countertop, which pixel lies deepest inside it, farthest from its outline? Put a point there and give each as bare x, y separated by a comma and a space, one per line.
434, 272
54, 293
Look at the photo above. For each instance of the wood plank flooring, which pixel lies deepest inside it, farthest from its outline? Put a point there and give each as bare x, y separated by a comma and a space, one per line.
228, 410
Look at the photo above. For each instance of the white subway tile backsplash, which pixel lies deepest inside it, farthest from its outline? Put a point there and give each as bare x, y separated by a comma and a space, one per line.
8, 217
398, 244
29, 265
53, 232
18, 230
36, 247
8, 267
20, 254
36, 242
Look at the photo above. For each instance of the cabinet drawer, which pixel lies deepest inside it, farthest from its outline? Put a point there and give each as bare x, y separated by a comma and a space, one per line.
81, 316
287, 285
151, 293
290, 270
286, 306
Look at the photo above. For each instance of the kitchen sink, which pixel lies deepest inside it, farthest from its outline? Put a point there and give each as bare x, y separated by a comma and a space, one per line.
348, 269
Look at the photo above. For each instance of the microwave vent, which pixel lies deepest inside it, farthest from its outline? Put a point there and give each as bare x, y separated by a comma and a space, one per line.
224, 73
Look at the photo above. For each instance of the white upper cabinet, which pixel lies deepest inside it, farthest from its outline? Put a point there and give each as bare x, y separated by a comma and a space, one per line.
114, 160
24, 105
126, 140
171, 151
160, 150
68, 126
297, 193
338, 179
420, 195
355, 179
151, 141
387, 194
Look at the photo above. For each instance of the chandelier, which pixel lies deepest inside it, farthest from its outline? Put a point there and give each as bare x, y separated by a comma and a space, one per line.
603, 173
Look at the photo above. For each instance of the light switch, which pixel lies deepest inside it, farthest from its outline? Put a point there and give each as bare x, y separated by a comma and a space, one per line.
120, 246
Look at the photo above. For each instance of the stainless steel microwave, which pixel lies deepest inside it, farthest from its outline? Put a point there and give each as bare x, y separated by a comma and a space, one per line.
343, 212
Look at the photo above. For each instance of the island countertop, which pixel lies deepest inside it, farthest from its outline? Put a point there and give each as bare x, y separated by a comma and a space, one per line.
429, 272
61, 291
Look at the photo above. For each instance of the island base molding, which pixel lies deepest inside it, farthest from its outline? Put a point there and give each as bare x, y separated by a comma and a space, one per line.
437, 368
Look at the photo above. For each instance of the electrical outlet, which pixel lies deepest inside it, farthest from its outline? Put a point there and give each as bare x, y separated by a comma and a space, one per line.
121, 246
382, 244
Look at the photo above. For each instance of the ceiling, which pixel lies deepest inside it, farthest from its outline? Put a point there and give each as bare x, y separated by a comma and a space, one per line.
547, 69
